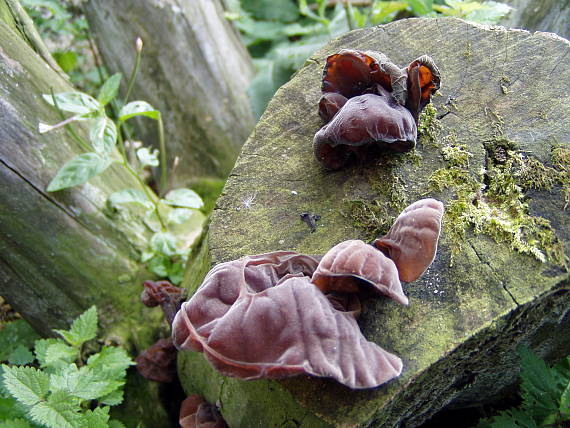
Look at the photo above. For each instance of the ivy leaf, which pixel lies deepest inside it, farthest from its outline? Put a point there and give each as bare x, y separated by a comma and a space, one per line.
79, 170
147, 157
164, 243
184, 198
110, 363
13, 334
84, 328
103, 135
20, 356
129, 196
74, 102
138, 108
15, 423
109, 89
58, 411
27, 384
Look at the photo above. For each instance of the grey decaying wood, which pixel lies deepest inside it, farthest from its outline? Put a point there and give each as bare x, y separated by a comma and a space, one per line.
539, 15
194, 69
457, 337
63, 252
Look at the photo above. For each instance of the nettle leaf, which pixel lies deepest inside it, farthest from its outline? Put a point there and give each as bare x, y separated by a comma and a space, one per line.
15, 423
79, 170
74, 102
138, 108
116, 424
40, 349
27, 384
113, 399
129, 196
176, 273
110, 363
60, 354
110, 89
147, 157
84, 328
58, 411
97, 418
160, 265
10, 408
82, 383
103, 135
14, 334
164, 243
21, 356
184, 198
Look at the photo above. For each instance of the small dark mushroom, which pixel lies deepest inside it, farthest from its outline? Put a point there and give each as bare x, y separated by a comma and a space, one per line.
365, 119
352, 265
158, 363
412, 241
165, 294
423, 81
195, 412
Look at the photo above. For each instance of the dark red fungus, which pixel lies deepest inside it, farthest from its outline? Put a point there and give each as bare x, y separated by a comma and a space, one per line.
163, 293
412, 241
423, 81
158, 363
195, 412
329, 105
260, 316
352, 265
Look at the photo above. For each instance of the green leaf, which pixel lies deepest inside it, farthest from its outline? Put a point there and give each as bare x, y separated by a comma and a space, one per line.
40, 349
491, 13
79, 170
11, 409
15, 423
176, 273
84, 328
383, 11
60, 354
113, 399
27, 384
66, 60
21, 356
565, 402
110, 89
59, 411
164, 243
14, 334
147, 157
421, 7
179, 215
97, 418
184, 198
138, 108
129, 196
160, 265
103, 135
284, 11
74, 102
83, 383
113, 423
111, 363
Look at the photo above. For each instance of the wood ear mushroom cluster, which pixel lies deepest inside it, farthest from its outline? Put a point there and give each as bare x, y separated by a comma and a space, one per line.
367, 100
283, 313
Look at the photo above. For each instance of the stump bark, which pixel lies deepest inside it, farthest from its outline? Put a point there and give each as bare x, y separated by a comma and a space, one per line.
468, 312
194, 69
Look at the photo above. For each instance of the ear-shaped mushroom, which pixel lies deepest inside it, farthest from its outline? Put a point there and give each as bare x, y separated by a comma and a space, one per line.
363, 120
260, 317
163, 293
423, 81
351, 73
158, 363
195, 412
329, 105
353, 264
412, 241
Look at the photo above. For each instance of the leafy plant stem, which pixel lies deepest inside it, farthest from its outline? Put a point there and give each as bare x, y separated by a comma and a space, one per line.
121, 144
133, 75
348, 12
163, 166
68, 128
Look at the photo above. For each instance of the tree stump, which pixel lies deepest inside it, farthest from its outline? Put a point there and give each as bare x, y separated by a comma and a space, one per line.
503, 98
194, 69
542, 15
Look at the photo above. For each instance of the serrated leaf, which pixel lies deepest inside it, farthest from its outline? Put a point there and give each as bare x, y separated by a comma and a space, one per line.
13, 334
79, 170
113, 423
60, 354
164, 243
74, 102
160, 265
184, 198
15, 423
565, 402
27, 384
82, 383
113, 399
110, 89
538, 384
40, 349
103, 135
148, 157
84, 328
111, 363
138, 108
20, 356
57, 412
11, 409
129, 196
97, 418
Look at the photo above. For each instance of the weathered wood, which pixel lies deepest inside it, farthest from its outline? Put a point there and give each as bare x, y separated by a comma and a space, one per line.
63, 252
194, 69
539, 15
466, 315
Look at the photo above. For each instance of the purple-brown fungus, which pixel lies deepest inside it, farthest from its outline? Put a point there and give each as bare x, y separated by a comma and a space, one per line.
195, 412
367, 100
352, 265
260, 316
412, 241
158, 363
165, 294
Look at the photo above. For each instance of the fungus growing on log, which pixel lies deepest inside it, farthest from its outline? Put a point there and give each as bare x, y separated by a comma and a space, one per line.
412, 241
352, 265
368, 100
163, 293
260, 316
195, 412
158, 363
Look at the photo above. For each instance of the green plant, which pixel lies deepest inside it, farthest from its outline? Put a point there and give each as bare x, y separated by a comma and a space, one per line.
174, 219
545, 393
66, 387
